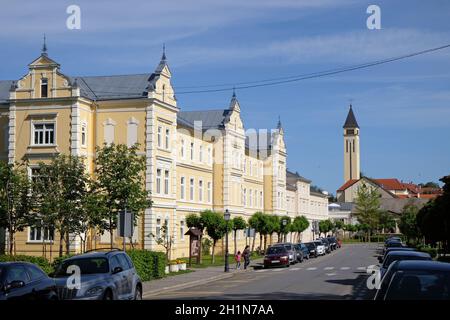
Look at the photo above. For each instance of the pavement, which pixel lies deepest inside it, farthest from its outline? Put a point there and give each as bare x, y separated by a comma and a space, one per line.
198, 277
340, 275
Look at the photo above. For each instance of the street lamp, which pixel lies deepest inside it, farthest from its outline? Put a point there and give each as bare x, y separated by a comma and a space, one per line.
226, 216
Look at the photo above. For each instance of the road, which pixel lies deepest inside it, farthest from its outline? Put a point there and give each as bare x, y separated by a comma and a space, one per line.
340, 275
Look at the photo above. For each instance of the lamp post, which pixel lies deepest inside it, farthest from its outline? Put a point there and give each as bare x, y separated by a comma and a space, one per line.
226, 216
284, 222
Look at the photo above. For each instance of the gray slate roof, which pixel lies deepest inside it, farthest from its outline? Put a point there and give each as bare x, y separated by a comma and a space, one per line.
113, 87
5, 85
209, 118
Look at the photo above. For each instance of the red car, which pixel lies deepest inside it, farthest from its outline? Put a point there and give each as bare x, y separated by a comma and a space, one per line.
276, 256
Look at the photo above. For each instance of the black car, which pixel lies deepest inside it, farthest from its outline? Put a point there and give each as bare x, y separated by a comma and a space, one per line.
25, 281
106, 275
312, 249
333, 243
381, 258
415, 280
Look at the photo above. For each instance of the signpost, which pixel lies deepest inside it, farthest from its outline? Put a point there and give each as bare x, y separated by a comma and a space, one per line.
195, 236
125, 225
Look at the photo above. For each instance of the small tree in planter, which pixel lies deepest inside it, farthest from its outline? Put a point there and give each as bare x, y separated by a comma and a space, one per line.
238, 223
165, 240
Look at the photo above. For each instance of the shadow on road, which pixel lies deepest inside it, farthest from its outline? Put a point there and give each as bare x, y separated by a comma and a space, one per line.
273, 296
359, 287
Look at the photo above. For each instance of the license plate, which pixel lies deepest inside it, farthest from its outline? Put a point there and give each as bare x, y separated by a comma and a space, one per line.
275, 261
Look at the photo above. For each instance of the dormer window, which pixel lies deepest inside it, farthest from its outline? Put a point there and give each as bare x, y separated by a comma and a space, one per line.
44, 88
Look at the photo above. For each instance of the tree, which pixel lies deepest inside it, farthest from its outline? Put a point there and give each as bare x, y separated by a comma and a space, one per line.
238, 223
165, 240
16, 201
325, 226
386, 221
120, 184
408, 222
256, 222
284, 229
430, 184
215, 226
272, 225
367, 207
61, 189
299, 224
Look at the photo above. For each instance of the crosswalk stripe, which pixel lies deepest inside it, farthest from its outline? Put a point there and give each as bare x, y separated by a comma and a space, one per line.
262, 270
328, 268
330, 274
294, 269
278, 269
345, 268
361, 268
312, 268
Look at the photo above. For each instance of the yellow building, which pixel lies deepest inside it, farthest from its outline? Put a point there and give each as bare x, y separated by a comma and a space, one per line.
195, 160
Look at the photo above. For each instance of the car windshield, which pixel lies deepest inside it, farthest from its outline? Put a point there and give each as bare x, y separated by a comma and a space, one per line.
423, 285
318, 243
288, 247
391, 258
310, 245
276, 250
86, 265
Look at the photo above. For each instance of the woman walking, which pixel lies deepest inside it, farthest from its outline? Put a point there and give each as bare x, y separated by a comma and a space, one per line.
246, 255
238, 260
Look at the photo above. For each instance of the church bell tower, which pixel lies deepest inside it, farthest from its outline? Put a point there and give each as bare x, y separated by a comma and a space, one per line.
351, 147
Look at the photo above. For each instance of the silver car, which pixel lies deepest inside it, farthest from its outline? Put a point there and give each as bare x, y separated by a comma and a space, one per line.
98, 276
291, 251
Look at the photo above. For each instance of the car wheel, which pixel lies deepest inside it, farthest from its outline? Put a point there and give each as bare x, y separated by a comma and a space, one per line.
108, 295
138, 293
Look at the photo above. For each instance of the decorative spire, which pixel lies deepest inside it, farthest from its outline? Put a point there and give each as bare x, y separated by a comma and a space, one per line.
234, 93
279, 123
234, 103
164, 52
351, 122
44, 46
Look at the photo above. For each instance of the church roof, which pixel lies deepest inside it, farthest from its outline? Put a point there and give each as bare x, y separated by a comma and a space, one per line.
5, 85
209, 118
351, 122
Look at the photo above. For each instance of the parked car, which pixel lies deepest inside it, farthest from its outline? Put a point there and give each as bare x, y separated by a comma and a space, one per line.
276, 256
381, 258
326, 244
300, 253
25, 281
312, 249
392, 244
106, 275
402, 255
320, 248
305, 250
291, 251
392, 238
415, 280
333, 242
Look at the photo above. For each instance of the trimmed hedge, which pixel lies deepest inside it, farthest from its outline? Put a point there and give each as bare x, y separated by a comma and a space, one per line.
427, 249
40, 261
149, 264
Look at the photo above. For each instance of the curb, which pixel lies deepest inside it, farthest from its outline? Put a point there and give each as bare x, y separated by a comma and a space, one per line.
188, 284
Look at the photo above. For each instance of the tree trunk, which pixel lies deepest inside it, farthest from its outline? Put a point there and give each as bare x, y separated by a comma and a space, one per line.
61, 238
111, 231
235, 242
11, 242
213, 258
253, 243
265, 242
67, 243
260, 241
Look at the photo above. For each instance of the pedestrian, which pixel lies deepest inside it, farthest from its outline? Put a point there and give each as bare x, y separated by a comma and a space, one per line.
237, 257
246, 254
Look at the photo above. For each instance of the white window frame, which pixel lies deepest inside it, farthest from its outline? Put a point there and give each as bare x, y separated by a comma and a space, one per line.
200, 190
182, 228
158, 227
209, 191
83, 134
245, 196
158, 180
192, 151
33, 124
182, 151
200, 153
191, 189
209, 155
159, 138
250, 197
48, 240
183, 188
167, 139
166, 182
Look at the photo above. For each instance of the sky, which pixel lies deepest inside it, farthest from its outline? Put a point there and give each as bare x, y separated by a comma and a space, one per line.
403, 108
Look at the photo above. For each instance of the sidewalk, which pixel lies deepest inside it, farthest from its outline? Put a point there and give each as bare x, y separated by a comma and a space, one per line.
197, 277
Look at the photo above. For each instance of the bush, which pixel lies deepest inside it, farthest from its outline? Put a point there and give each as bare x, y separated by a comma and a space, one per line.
149, 264
39, 261
57, 261
427, 249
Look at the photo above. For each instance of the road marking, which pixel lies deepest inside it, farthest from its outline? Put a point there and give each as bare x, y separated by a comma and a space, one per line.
294, 269
361, 268
278, 269
328, 268
330, 274
345, 268
312, 268
262, 270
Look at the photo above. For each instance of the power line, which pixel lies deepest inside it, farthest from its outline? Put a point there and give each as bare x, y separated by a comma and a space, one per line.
275, 81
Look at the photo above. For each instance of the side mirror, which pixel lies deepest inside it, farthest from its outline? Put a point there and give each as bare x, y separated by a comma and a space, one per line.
117, 270
14, 285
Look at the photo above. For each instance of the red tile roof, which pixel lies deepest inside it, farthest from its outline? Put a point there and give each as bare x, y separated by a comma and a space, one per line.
349, 183
390, 184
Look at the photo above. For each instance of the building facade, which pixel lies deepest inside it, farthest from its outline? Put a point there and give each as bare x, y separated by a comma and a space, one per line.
195, 160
